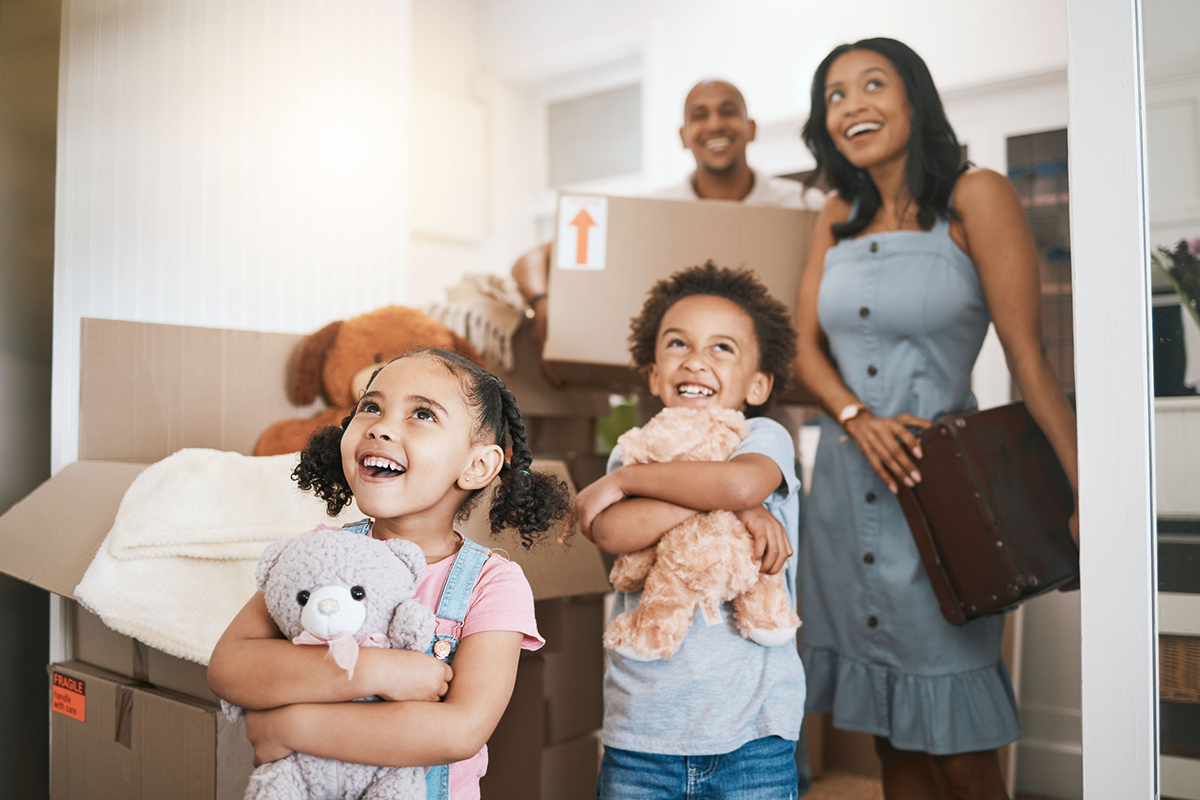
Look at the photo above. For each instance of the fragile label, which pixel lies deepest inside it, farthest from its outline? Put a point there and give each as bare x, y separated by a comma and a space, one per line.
68, 696
582, 240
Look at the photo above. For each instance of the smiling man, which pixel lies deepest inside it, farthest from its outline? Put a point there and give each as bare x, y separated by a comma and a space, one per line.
716, 128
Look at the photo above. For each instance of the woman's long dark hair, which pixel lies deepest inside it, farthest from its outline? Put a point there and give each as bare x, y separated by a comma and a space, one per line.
934, 156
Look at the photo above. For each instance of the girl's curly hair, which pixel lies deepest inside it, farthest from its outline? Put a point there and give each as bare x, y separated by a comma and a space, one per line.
527, 501
772, 323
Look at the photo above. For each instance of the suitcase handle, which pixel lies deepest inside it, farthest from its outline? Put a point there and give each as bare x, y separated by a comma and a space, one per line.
953, 613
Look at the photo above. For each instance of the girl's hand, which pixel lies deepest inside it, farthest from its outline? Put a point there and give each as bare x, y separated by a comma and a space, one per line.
889, 446
264, 730
1073, 523
594, 498
409, 675
771, 546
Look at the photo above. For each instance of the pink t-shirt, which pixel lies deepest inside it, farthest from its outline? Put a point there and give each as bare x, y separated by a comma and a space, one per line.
500, 601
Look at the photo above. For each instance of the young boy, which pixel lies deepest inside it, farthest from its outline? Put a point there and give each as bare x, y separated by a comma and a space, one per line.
722, 716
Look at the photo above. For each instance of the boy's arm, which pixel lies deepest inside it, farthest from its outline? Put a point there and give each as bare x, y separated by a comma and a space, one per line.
742, 482
405, 734
640, 522
254, 667
634, 524
618, 523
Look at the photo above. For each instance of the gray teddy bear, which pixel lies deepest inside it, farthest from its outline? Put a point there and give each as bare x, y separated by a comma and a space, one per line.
343, 590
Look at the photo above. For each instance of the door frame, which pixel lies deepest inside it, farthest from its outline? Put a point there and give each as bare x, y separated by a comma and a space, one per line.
1109, 241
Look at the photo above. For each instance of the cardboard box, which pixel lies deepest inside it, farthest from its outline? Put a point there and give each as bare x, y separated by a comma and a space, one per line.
604, 264
570, 768
566, 770
116, 737
517, 745
95, 643
574, 668
147, 390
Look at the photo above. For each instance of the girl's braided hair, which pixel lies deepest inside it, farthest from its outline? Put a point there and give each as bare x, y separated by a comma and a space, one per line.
527, 501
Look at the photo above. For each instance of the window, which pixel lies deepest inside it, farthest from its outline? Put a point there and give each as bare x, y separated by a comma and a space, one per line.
597, 136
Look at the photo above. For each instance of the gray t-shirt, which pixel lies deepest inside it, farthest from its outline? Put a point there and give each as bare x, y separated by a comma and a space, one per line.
719, 691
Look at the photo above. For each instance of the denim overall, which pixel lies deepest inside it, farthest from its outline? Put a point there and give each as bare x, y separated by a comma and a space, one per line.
452, 606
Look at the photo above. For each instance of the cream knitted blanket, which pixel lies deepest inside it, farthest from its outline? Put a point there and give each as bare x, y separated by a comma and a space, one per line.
179, 561
486, 310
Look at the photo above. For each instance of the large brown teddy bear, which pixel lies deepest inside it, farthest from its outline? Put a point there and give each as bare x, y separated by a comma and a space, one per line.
701, 562
338, 360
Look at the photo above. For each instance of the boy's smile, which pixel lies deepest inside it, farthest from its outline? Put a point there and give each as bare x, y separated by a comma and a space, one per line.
707, 355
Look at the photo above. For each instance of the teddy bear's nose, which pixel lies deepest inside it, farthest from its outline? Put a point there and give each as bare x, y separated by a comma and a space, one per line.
328, 606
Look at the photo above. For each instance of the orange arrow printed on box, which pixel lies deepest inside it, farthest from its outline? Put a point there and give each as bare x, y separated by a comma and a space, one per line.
581, 223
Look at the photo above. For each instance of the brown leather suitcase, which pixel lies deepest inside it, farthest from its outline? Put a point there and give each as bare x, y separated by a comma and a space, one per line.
990, 514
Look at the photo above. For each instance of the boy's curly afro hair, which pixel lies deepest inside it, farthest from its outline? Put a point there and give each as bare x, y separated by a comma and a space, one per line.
772, 322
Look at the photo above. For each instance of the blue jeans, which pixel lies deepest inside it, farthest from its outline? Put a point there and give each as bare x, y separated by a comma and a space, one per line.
764, 769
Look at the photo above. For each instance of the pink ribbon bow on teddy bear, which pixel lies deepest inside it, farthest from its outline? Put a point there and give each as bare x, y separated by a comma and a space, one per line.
344, 647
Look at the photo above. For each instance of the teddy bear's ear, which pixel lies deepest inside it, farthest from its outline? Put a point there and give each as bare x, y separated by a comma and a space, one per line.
410, 554
267, 560
307, 382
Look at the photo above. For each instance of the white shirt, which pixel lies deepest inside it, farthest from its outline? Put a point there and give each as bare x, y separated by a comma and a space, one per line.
766, 191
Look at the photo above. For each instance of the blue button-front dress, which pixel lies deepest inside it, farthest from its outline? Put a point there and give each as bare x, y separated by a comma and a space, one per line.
905, 316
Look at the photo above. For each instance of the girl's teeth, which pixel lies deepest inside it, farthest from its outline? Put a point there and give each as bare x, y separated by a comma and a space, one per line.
373, 461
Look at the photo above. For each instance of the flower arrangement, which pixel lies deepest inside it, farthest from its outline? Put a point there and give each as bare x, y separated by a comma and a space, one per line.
1182, 265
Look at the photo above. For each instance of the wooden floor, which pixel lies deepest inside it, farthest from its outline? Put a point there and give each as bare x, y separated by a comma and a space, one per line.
845, 786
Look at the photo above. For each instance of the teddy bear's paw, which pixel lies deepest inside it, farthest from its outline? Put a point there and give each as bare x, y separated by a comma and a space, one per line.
629, 652
630, 569
622, 636
412, 626
232, 713
398, 783
771, 637
277, 780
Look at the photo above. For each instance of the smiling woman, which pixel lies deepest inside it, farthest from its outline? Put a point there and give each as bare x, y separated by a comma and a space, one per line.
895, 301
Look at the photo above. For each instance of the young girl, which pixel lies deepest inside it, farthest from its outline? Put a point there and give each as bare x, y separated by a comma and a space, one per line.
427, 436
912, 257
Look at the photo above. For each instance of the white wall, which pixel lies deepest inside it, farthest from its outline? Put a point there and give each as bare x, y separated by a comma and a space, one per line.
497, 221
237, 163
